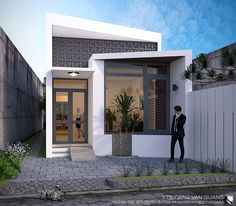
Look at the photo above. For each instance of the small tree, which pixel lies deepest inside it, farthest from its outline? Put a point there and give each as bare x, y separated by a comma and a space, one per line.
124, 107
202, 71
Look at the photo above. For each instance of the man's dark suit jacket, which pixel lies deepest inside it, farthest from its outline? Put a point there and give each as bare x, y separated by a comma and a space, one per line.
180, 125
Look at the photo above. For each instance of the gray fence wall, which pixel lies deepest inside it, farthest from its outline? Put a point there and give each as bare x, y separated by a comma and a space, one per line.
212, 124
20, 91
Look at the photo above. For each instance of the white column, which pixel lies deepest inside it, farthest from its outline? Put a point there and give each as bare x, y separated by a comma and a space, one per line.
49, 125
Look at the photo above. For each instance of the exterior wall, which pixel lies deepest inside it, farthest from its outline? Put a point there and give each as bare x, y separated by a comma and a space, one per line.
212, 118
20, 90
215, 58
75, 52
153, 146
49, 114
143, 145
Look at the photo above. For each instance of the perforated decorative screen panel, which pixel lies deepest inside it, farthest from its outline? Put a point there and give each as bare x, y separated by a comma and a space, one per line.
75, 52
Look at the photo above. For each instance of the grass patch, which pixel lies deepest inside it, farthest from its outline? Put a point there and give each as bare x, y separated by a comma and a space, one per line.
4, 181
172, 175
42, 151
30, 141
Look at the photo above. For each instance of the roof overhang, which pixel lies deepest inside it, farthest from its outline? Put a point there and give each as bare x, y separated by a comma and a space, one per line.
66, 26
62, 72
156, 56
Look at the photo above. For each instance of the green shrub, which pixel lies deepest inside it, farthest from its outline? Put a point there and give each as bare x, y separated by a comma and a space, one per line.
138, 169
10, 159
125, 171
9, 165
150, 168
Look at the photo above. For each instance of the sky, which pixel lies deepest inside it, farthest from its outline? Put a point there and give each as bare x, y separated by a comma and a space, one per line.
200, 25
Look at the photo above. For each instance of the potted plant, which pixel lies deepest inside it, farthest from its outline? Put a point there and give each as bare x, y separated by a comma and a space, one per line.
127, 121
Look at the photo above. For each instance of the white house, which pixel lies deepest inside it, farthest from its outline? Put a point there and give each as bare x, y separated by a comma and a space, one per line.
109, 59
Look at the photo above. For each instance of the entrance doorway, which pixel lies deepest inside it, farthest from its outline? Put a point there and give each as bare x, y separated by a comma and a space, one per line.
70, 116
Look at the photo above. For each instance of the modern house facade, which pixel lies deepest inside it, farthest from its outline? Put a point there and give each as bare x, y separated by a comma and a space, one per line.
110, 59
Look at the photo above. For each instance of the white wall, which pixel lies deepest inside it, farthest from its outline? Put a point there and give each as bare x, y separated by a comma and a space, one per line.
153, 146
49, 125
212, 118
100, 141
179, 97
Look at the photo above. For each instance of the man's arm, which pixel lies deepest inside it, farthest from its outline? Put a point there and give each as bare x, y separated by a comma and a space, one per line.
181, 120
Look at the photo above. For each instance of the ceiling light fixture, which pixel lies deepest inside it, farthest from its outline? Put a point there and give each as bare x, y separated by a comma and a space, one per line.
73, 73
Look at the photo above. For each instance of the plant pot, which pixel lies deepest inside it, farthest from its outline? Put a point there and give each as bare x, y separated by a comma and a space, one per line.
121, 144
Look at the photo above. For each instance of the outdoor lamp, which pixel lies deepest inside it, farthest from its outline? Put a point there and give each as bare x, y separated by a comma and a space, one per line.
174, 87
73, 73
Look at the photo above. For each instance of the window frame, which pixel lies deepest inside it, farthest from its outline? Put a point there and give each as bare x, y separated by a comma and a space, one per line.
146, 78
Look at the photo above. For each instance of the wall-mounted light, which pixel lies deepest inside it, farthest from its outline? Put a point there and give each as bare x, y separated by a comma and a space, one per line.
73, 73
174, 87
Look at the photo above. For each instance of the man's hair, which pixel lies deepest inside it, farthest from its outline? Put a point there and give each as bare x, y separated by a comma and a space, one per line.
177, 108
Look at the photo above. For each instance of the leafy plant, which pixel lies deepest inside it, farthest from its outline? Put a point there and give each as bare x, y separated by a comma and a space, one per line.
224, 165
150, 168
165, 169
187, 167
111, 114
203, 166
18, 149
124, 106
134, 121
214, 165
9, 166
42, 102
201, 69
177, 168
125, 171
11, 158
139, 169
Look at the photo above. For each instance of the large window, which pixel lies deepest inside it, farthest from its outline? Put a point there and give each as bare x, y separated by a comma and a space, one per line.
149, 87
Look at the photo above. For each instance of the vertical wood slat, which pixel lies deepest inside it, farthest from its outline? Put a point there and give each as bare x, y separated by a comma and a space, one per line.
219, 123
197, 126
228, 110
234, 128
203, 125
211, 108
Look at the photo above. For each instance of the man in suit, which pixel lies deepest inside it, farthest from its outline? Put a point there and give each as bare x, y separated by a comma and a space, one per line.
177, 133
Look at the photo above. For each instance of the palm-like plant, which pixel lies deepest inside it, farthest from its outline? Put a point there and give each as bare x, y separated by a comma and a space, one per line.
124, 106
201, 69
135, 120
111, 114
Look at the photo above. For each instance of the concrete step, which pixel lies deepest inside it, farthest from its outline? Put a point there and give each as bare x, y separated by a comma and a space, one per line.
82, 153
60, 150
61, 154
71, 145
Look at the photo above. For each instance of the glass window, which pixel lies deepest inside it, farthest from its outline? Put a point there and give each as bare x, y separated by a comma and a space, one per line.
151, 84
70, 84
78, 117
61, 116
133, 86
122, 69
156, 70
